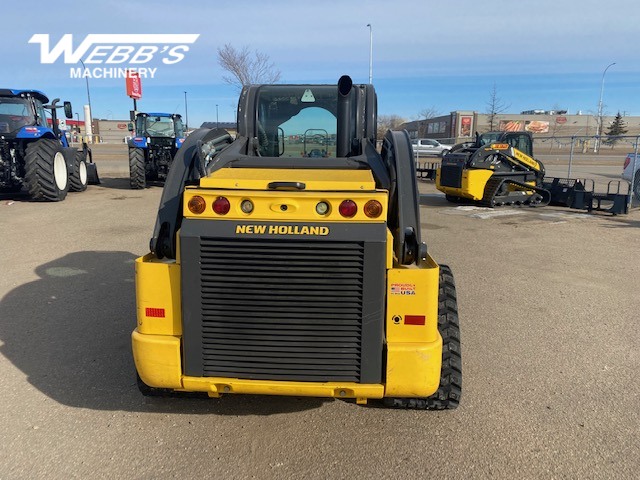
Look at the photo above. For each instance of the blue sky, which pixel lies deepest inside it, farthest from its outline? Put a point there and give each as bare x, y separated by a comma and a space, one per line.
427, 54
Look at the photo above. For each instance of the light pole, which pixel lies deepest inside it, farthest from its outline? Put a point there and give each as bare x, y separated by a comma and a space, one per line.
599, 126
88, 123
186, 113
217, 121
370, 53
86, 77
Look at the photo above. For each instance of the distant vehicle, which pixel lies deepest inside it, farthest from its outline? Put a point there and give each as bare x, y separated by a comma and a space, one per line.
158, 136
428, 146
628, 171
37, 157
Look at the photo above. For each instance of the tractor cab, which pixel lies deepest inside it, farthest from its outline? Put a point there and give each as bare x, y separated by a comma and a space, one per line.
159, 125
21, 108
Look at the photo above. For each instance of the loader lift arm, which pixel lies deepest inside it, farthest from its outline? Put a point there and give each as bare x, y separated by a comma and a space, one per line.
189, 165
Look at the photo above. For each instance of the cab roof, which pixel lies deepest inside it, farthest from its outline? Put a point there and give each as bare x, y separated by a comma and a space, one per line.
155, 114
12, 92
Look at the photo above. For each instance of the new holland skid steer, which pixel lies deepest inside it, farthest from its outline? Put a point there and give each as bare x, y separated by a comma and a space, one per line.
278, 273
497, 169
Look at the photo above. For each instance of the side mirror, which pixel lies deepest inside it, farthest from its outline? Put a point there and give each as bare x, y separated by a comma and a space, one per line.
68, 111
130, 127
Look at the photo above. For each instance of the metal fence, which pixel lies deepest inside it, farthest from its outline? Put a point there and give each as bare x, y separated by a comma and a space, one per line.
587, 145
560, 152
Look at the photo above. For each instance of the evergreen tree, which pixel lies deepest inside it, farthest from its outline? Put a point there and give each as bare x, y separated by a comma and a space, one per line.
617, 128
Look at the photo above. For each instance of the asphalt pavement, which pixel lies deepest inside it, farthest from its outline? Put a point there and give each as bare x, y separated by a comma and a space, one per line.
549, 311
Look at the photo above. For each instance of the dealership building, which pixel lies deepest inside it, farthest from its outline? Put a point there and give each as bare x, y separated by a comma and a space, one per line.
461, 125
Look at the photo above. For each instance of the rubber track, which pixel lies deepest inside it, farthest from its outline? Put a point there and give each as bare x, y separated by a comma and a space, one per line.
450, 390
136, 168
39, 173
492, 186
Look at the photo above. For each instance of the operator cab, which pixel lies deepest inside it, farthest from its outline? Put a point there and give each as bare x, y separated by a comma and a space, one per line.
22, 109
519, 140
297, 121
159, 125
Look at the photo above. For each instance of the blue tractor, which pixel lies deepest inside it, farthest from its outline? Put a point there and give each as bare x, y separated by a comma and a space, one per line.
36, 156
158, 136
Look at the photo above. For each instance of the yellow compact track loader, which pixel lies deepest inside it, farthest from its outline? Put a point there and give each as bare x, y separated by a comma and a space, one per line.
289, 261
497, 169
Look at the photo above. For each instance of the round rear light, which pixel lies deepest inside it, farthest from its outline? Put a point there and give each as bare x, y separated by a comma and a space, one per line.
373, 209
322, 208
348, 208
246, 206
221, 206
197, 204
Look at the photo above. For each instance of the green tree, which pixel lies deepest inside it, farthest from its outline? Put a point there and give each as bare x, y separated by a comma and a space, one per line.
617, 128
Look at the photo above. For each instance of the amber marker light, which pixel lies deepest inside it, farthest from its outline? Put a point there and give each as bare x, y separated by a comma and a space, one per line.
373, 209
221, 206
197, 204
348, 208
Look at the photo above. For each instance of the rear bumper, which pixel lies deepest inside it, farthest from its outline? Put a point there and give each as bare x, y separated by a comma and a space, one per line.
157, 360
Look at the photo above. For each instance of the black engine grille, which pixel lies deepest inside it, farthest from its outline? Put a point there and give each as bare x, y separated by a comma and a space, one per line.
282, 310
451, 176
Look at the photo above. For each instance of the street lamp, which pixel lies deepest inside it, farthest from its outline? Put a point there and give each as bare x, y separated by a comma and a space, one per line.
186, 113
217, 122
599, 126
88, 125
370, 53
86, 77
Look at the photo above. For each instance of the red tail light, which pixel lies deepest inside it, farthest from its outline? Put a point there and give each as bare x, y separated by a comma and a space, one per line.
627, 161
348, 208
221, 206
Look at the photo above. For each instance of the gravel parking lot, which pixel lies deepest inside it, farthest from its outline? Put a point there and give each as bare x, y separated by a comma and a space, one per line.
549, 310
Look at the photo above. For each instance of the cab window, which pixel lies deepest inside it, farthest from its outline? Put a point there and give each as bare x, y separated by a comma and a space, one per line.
297, 122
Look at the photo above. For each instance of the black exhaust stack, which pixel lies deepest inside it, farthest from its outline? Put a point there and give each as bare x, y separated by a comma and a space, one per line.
343, 141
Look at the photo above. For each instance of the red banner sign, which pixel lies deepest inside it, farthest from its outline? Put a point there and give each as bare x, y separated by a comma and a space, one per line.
134, 85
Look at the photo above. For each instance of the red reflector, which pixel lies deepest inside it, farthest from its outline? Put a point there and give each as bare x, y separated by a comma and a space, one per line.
221, 206
414, 319
156, 312
348, 208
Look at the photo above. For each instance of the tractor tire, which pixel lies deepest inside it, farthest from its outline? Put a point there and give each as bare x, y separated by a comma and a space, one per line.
448, 394
78, 180
137, 178
636, 185
46, 174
